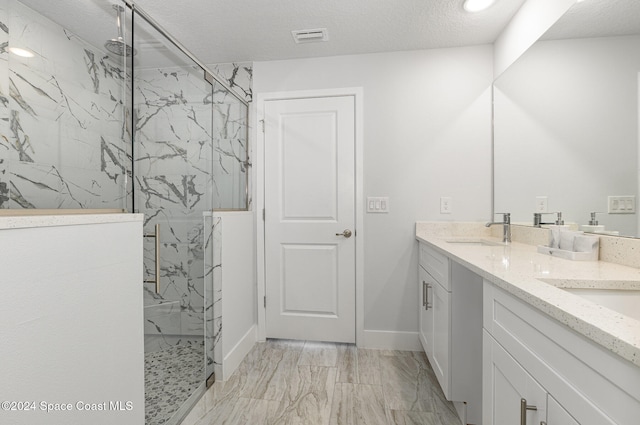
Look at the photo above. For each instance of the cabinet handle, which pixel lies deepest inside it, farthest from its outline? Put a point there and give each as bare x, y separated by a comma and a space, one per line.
523, 410
425, 295
543, 423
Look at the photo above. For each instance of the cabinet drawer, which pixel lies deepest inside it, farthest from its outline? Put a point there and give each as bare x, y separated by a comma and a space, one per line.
436, 264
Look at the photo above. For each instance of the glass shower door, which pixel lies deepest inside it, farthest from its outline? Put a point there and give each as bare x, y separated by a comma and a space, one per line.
172, 156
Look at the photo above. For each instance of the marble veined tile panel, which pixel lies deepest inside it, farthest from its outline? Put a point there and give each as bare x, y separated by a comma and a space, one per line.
180, 193
162, 319
60, 106
229, 120
213, 292
34, 185
238, 76
82, 188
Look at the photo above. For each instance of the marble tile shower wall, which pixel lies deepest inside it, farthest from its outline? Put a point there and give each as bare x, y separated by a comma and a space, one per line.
213, 291
63, 144
173, 163
191, 156
232, 153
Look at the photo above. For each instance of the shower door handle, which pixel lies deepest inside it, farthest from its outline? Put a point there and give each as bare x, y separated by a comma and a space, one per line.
156, 236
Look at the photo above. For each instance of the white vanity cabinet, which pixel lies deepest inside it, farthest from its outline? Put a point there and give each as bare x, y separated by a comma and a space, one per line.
565, 377
435, 321
450, 329
556, 414
512, 388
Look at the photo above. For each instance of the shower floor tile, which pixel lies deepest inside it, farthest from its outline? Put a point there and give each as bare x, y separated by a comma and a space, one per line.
171, 376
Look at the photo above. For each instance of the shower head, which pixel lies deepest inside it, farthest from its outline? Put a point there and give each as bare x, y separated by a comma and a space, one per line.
117, 46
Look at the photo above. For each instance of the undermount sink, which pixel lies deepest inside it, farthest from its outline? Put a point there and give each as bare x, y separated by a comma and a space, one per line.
475, 242
623, 301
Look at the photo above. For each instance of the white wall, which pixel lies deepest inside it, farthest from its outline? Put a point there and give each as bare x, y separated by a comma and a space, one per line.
427, 133
238, 287
71, 318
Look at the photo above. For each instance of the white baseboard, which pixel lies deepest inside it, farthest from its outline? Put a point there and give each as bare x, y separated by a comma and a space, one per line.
233, 359
390, 340
461, 410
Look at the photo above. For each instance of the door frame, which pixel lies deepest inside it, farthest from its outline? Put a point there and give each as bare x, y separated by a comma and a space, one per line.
259, 169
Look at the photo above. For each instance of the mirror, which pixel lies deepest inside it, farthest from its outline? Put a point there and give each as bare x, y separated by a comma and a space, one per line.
566, 121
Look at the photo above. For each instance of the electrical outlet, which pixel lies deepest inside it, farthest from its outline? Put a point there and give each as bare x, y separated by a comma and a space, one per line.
541, 204
445, 205
621, 204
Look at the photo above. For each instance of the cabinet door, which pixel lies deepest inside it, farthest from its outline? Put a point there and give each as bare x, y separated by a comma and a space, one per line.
556, 415
426, 313
506, 384
441, 310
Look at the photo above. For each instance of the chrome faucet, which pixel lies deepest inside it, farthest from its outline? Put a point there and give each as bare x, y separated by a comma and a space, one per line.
594, 221
506, 226
537, 219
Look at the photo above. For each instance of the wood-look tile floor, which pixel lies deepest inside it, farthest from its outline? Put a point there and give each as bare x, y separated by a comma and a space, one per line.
308, 383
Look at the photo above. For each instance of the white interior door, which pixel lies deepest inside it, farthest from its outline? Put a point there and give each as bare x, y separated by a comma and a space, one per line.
310, 218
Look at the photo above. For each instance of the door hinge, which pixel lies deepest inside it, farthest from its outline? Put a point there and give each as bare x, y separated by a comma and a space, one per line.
262, 122
264, 299
264, 214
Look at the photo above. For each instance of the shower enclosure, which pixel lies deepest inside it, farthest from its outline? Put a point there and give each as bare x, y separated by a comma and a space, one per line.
115, 114
189, 157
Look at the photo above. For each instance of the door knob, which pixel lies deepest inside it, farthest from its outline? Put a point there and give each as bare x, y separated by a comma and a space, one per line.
346, 233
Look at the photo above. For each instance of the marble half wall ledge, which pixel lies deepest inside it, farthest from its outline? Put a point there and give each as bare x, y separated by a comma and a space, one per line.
613, 249
53, 220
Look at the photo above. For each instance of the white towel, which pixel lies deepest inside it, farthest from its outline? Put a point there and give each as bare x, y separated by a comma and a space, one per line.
567, 238
554, 236
586, 243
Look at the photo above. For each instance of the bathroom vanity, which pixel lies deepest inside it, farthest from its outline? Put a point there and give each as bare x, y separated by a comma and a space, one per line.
450, 328
551, 352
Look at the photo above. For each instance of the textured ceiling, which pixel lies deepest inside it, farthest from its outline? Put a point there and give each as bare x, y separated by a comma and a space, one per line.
219, 31
598, 18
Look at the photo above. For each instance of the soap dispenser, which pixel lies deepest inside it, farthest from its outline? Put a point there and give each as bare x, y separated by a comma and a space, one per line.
593, 226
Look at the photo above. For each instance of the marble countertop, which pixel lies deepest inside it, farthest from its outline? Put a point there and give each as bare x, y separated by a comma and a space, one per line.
537, 278
30, 221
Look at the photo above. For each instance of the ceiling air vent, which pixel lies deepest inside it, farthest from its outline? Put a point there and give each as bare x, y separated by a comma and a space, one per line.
310, 36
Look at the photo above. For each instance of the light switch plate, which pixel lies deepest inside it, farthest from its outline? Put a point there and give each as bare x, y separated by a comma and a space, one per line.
377, 204
621, 204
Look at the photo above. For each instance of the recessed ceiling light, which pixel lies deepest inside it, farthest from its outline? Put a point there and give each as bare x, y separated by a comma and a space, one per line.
21, 52
477, 5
